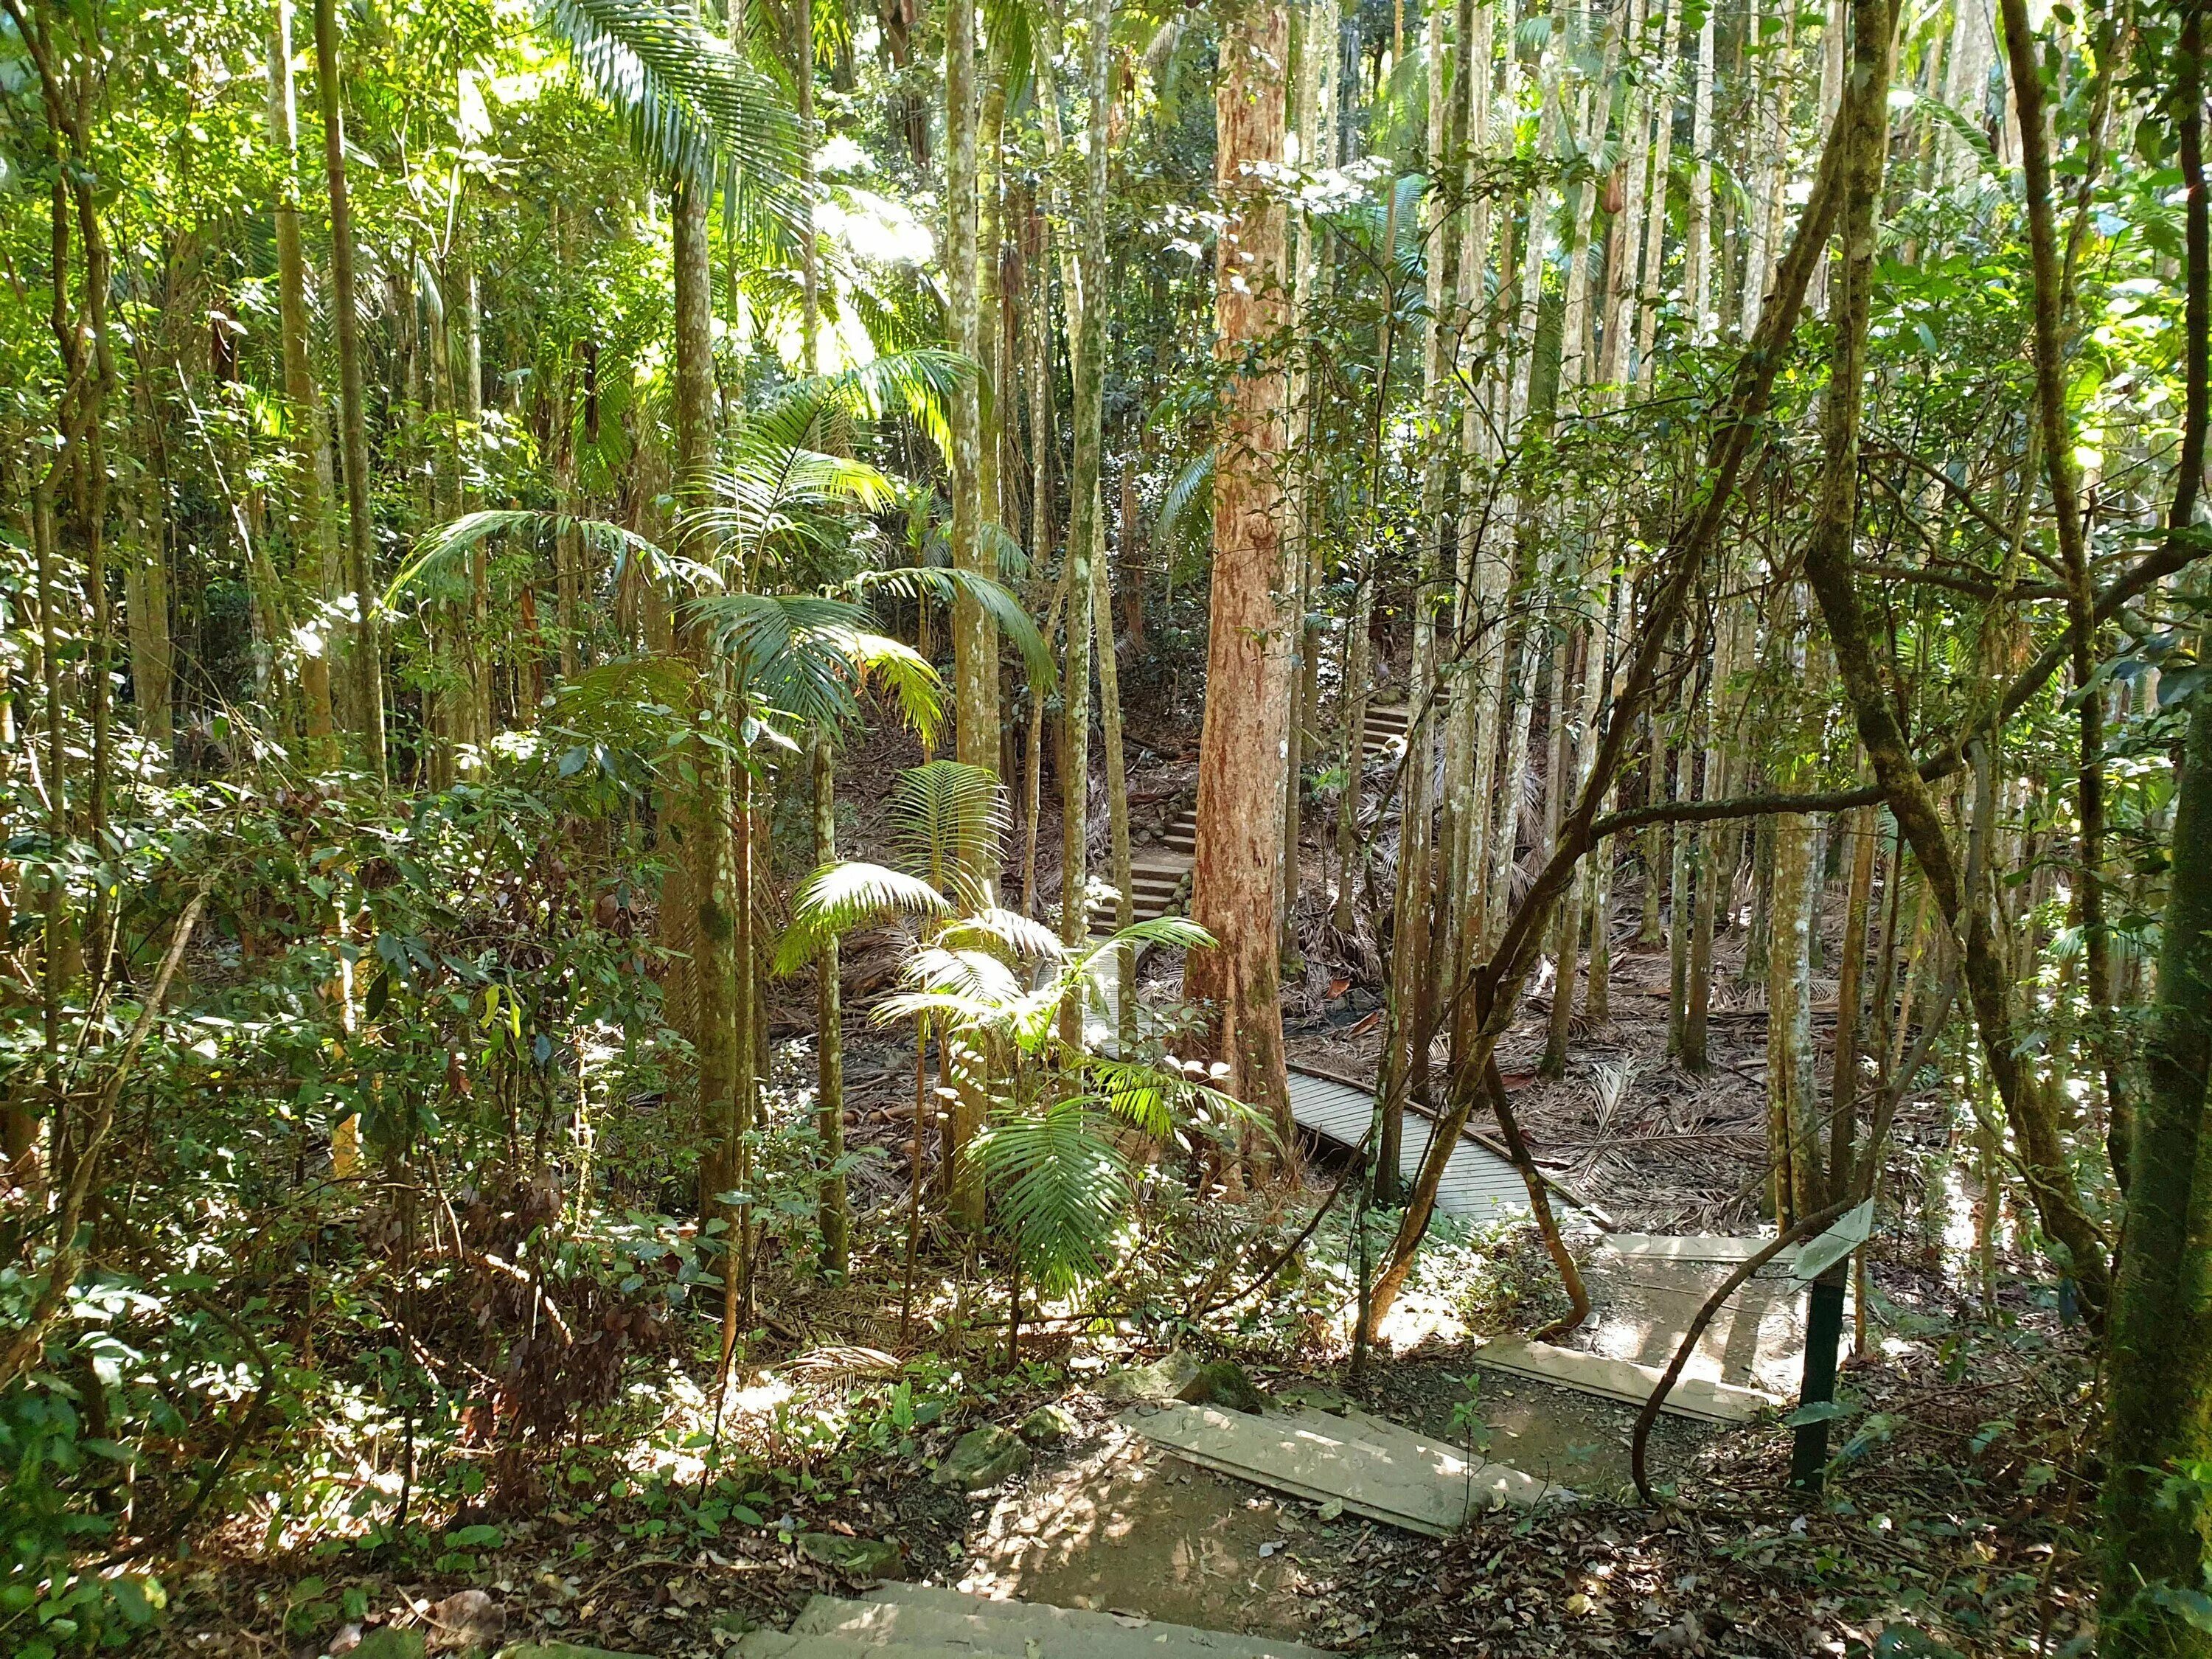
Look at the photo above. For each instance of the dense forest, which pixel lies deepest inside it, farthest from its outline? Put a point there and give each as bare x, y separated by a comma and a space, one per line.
1275, 825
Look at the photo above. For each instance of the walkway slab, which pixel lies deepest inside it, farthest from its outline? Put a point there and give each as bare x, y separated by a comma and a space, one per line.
1479, 1182
1714, 1248
1371, 1467
1698, 1397
896, 1620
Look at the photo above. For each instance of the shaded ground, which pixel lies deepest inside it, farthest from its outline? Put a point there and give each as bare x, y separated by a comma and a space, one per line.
1121, 1526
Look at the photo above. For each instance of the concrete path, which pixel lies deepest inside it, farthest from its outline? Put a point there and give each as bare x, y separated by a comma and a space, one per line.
914, 1622
1371, 1467
1701, 1397
1707, 1248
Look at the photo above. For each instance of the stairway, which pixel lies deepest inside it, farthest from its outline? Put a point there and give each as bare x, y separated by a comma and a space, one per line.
917, 1622
1156, 877
1385, 731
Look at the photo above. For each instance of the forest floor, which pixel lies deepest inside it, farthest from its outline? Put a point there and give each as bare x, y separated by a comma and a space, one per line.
1952, 1522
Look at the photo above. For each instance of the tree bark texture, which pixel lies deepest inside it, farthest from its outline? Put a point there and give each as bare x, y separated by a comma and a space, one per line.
1242, 746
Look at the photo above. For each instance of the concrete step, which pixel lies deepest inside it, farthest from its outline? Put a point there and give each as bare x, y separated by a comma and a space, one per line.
1371, 1468
900, 1621
1702, 1398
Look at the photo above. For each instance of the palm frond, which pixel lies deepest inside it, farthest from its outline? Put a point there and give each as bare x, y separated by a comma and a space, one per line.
1061, 1188
440, 546
776, 489
951, 818
839, 897
1024, 936
1185, 517
1178, 933
1152, 1097
964, 972
809, 655
919, 384
697, 108
943, 585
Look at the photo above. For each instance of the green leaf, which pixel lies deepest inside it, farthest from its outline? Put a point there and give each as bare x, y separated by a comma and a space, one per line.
478, 1537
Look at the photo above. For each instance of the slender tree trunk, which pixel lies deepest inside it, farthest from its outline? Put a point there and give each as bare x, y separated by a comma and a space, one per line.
1240, 796
831, 1210
975, 636
360, 545
1117, 785
1789, 1103
314, 544
1699, 261
2078, 1247
711, 895
2051, 302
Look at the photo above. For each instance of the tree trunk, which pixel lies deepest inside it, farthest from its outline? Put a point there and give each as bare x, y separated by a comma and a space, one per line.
975, 636
314, 544
2052, 301
1240, 795
831, 1212
2080, 1250
2160, 1364
359, 546
709, 894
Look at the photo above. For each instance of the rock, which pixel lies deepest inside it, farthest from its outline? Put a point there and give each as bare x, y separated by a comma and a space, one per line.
983, 1458
390, 1642
551, 1650
861, 1557
469, 1620
1164, 1379
1223, 1382
1047, 1425
1314, 1397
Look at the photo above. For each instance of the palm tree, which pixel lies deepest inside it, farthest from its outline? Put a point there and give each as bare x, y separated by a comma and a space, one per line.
990, 984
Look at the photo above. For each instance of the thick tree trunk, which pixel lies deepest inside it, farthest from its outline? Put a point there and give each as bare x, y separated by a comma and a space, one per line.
2161, 1364
1240, 795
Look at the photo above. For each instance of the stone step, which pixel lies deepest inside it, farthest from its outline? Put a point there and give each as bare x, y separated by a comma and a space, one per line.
903, 1621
